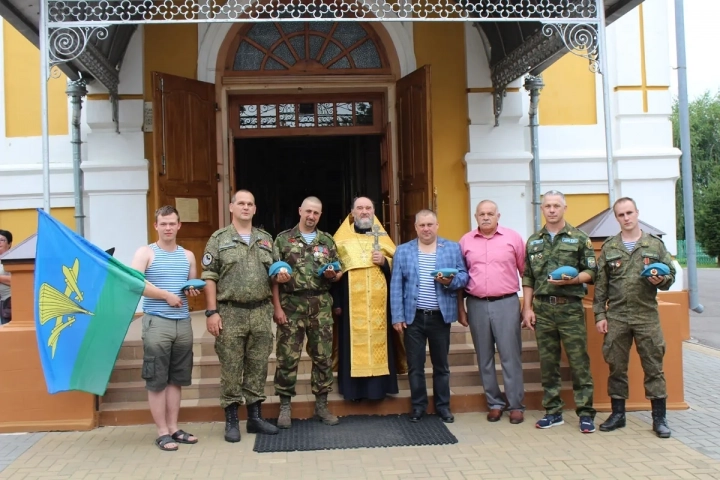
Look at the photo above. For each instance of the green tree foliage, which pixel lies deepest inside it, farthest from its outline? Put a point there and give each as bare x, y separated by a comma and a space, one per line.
705, 143
708, 219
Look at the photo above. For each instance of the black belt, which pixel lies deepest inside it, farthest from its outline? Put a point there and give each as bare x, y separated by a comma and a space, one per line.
308, 293
494, 299
245, 305
555, 300
427, 312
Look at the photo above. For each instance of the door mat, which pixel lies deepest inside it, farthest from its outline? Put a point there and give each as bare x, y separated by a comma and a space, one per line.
357, 431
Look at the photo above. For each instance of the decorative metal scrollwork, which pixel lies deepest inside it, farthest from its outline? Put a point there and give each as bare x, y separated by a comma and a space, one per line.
579, 39
68, 43
86, 12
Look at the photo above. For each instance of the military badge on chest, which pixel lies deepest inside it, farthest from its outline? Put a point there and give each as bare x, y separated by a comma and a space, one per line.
320, 252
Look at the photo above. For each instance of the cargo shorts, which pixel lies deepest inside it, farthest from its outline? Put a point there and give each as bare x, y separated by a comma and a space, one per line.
167, 352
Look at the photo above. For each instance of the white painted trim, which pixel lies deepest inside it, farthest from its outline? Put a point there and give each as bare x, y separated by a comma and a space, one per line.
211, 37
2, 85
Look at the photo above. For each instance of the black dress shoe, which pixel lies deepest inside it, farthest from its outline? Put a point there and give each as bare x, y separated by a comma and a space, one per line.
446, 416
416, 415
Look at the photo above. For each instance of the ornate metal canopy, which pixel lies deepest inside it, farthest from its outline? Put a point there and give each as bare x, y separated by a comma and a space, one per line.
88, 38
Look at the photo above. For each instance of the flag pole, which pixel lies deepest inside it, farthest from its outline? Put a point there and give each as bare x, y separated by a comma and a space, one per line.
44, 78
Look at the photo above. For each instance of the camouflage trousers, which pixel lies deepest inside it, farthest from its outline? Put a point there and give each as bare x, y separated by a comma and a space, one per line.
556, 326
243, 348
650, 346
311, 316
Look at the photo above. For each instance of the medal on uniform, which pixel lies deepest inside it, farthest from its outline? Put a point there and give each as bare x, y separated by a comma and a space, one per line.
646, 260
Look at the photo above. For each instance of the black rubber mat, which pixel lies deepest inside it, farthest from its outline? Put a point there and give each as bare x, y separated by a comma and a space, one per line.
357, 431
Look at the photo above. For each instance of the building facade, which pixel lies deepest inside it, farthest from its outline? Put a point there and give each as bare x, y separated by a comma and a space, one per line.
402, 111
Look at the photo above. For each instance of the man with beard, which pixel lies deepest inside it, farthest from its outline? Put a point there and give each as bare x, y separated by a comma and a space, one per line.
366, 353
303, 307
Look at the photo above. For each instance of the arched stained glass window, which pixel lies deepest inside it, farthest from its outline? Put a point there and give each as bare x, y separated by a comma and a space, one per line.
308, 48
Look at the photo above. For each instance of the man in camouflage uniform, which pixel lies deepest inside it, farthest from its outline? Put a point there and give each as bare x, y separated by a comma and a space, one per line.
553, 308
626, 309
239, 313
303, 307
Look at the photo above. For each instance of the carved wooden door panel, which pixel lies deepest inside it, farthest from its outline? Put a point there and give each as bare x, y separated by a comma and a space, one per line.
185, 160
415, 148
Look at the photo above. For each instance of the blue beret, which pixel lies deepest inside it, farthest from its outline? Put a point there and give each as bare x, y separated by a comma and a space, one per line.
655, 269
195, 283
277, 266
444, 272
563, 273
332, 266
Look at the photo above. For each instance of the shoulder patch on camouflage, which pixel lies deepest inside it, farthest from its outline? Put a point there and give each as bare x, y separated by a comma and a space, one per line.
590, 262
207, 259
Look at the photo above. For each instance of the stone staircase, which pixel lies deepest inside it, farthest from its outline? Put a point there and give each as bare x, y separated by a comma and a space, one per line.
125, 401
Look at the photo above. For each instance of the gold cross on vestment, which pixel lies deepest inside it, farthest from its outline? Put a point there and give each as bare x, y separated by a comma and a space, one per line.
377, 234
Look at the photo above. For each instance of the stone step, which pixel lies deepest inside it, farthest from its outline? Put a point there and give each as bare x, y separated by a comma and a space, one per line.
209, 387
204, 343
462, 399
206, 366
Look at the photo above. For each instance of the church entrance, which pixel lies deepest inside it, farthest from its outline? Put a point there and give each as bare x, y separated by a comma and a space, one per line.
282, 171
297, 109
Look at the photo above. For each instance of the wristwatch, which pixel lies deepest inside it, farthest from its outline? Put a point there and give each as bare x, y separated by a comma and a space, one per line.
210, 313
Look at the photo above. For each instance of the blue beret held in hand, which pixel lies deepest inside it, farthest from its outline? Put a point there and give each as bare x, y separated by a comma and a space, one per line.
278, 267
563, 273
655, 269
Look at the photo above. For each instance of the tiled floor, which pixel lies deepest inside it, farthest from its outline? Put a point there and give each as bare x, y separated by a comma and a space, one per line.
485, 450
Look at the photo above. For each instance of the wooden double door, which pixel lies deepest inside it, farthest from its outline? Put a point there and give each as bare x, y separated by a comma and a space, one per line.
186, 174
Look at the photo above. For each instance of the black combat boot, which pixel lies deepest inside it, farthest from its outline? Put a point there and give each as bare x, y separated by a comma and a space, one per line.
617, 417
660, 426
255, 422
232, 423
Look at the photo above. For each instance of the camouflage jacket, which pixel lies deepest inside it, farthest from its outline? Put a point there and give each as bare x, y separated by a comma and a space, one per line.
305, 259
239, 269
621, 294
571, 247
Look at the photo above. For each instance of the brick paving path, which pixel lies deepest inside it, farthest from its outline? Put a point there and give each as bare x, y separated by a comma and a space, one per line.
485, 450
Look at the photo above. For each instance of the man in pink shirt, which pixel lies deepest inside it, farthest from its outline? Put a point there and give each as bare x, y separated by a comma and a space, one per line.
495, 259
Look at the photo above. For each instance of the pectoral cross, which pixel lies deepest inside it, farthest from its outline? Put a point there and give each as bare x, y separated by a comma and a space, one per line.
377, 234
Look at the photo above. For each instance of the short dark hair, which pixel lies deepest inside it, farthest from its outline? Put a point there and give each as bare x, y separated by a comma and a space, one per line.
242, 190
7, 235
624, 199
165, 211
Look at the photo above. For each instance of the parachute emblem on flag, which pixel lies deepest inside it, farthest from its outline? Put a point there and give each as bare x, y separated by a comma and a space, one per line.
58, 305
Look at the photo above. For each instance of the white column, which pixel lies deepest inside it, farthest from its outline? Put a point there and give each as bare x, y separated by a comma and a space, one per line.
498, 163
115, 168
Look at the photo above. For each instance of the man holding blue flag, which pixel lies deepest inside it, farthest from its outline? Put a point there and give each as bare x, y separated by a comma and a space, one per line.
166, 326
633, 265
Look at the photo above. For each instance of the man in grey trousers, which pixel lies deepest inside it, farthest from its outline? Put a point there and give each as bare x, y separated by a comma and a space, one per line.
495, 259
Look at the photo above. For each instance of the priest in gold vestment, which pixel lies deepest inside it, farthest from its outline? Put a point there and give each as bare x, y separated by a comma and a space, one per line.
369, 355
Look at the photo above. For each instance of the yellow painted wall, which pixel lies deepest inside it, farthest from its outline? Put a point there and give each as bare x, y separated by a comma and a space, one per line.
169, 49
568, 97
583, 207
23, 222
22, 89
442, 46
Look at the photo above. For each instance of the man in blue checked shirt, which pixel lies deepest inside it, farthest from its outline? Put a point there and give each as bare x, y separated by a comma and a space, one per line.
427, 273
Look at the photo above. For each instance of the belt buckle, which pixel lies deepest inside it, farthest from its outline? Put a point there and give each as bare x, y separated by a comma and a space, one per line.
426, 311
553, 300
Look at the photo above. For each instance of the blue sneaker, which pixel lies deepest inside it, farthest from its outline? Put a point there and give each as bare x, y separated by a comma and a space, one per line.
550, 420
587, 425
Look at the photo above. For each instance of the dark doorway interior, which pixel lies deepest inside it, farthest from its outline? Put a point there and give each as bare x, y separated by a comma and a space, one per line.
281, 172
